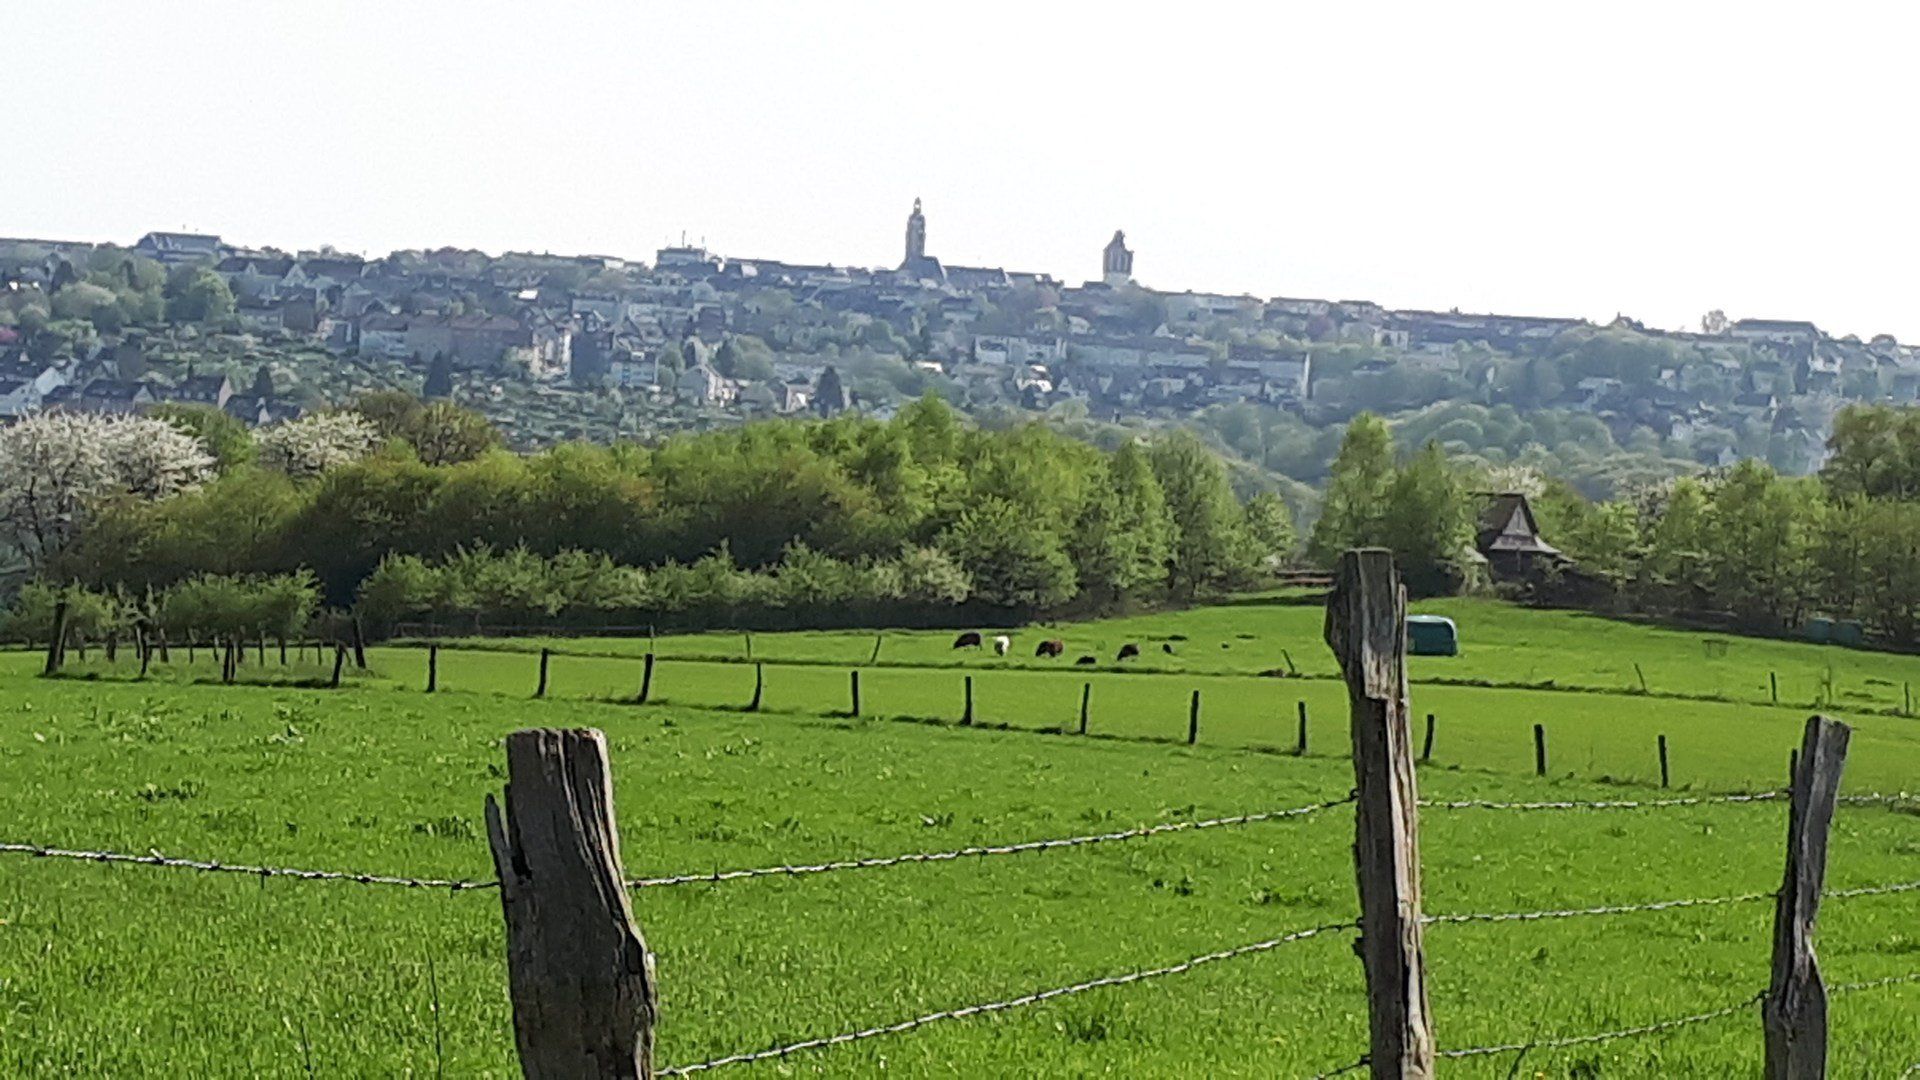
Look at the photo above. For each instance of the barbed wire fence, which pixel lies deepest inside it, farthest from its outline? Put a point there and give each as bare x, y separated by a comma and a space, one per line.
564, 776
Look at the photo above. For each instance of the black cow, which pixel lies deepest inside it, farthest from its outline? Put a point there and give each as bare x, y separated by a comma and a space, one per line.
968, 640
1167, 647
1053, 647
1087, 660
1128, 651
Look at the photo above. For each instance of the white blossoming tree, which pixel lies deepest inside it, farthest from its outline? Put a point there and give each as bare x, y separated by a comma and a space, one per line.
55, 466
313, 444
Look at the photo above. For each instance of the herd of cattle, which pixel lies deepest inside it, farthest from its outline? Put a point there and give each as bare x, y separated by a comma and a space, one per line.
1052, 648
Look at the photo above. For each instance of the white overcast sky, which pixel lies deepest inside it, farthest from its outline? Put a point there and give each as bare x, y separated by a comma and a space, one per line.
1655, 159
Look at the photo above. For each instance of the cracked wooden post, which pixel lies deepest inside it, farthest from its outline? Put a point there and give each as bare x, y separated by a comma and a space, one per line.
578, 971
1795, 1011
1367, 630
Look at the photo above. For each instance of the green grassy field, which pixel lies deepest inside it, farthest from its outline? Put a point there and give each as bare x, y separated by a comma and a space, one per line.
134, 971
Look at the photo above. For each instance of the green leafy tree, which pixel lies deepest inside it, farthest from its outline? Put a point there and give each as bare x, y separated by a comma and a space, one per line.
199, 295
1210, 544
1428, 521
1353, 509
1270, 527
1011, 561
1123, 536
225, 437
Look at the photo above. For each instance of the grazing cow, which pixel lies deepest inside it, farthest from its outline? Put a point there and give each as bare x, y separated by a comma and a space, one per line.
1051, 647
1087, 660
1167, 647
968, 640
1128, 651
1001, 644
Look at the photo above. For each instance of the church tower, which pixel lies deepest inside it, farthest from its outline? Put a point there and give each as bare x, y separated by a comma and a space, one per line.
916, 237
1116, 265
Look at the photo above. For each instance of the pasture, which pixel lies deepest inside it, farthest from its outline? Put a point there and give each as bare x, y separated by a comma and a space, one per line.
139, 971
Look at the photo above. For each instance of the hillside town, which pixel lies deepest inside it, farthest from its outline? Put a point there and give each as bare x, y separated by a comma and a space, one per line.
554, 347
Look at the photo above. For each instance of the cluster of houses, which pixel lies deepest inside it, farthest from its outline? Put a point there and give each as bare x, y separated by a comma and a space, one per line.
663, 331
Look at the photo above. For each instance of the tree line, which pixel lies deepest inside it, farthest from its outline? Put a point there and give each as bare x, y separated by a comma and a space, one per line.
416, 508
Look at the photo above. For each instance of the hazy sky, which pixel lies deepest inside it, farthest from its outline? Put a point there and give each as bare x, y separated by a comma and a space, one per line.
1654, 159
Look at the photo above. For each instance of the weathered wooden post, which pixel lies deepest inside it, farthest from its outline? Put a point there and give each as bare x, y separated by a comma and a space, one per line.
1300, 737
113, 646
57, 639
1367, 629
229, 664
579, 973
282, 642
1539, 749
1795, 1010
1426, 744
359, 645
748, 635
1773, 685
646, 679
262, 653
1086, 698
160, 634
759, 685
541, 690
339, 661
433, 667
1193, 719
853, 679
1641, 675
966, 716
1666, 777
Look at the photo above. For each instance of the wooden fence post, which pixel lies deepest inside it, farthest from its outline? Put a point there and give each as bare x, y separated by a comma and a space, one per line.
1300, 738
339, 661
759, 684
1795, 1011
1773, 684
966, 717
578, 971
1193, 720
545, 657
433, 667
1086, 697
57, 641
748, 635
1666, 777
160, 633
1539, 749
853, 679
1367, 629
113, 646
1426, 744
646, 679
359, 645
262, 654
875, 658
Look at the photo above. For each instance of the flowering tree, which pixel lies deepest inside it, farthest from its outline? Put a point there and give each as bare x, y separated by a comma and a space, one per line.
55, 466
311, 445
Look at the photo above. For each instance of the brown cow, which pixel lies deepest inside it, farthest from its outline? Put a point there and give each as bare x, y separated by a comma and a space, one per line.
968, 640
1128, 651
1054, 647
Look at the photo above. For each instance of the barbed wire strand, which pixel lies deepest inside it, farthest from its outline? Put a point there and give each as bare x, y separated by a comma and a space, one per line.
1002, 1006
1607, 909
983, 850
1343, 1070
1613, 804
1874, 984
1655, 1028
155, 858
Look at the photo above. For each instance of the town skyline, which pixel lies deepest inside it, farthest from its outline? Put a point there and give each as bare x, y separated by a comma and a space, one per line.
1416, 158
